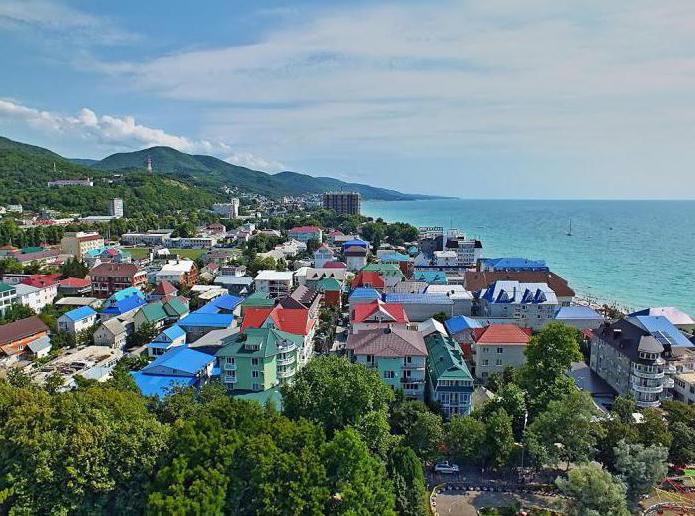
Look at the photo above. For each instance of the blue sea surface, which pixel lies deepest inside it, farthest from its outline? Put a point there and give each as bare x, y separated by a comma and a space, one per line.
631, 253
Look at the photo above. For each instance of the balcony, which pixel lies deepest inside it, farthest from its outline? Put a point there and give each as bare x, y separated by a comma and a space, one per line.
287, 349
286, 373
647, 404
669, 383
405, 379
647, 389
229, 367
286, 361
230, 379
639, 371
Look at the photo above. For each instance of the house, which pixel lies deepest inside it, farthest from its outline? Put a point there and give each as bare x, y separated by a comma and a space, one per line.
77, 243
497, 347
259, 359
257, 300
323, 255
421, 307
332, 291
41, 347
638, 357
684, 387
42, 291
235, 285
463, 299
175, 308
8, 295
108, 278
122, 303
449, 382
74, 286
181, 273
461, 329
445, 259
512, 265
398, 354
580, 317
178, 367
170, 338
477, 281
395, 258
274, 283
355, 257
677, 317
302, 297
79, 301
313, 276
389, 272
77, 320
431, 277
111, 333
306, 233
351, 242
409, 287
362, 295
468, 251
16, 336
298, 321
225, 304
377, 314
198, 324
152, 314
368, 279
530, 305
162, 291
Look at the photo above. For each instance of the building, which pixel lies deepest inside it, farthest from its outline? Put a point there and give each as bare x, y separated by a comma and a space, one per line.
121, 303
530, 305
332, 291
40, 348
74, 286
59, 183
109, 278
37, 291
684, 387
8, 295
346, 203
197, 324
363, 295
259, 359
16, 336
91, 363
476, 281
197, 242
512, 265
274, 284
468, 251
180, 273
389, 272
368, 279
461, 329
111, 333
497, 347
77, 243
152, 314
398, 354
355, 257
580, 317
377, 314
77, 320
638, 357
323, 255
445, 259
227, 210
677, 317
116, 208
449, 382
178, 367
421, 307
170, 338
306, 233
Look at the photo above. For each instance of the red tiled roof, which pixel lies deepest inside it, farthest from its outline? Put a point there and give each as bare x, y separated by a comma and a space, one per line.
502, 334
387, 342
368, 278
254, 317
41, 280
334, 265
164, 288
75, 283
291, 320
117, 270
89, 238
305, 229
390, 312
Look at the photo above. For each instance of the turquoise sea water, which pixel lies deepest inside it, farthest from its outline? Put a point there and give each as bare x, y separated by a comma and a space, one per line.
634, 253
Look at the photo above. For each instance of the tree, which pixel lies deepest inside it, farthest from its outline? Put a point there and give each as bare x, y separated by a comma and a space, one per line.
440, 317
499, 439
653, 430
421, 429
410, 488
18, 378
640, 468
261, 264
375, 431
465, 438
54, 382
593, 491
312, 245
512, 399
335, 392
682, 449
16, 312
565, 429
142, 336
74, 268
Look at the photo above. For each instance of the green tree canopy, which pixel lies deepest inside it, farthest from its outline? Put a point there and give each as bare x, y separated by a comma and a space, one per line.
640, 467
593, 491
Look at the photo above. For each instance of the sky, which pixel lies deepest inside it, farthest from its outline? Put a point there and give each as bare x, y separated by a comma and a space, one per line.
470, 98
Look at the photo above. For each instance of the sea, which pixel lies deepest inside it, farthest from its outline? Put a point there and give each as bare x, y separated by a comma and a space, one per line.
632, 254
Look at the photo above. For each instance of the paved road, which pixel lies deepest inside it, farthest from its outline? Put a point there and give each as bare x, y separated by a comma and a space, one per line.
466, 503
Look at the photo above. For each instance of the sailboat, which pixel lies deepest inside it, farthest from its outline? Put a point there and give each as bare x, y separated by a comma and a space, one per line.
569, 231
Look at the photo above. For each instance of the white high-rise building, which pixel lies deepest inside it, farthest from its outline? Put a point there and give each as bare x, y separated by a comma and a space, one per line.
116, 208
228, 210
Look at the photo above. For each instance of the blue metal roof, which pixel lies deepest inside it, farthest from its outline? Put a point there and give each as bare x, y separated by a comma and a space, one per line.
80, 313
517, 264
182, 359
160, 386
394, 257
461, 322
206, 320
577, 312
662, 329
226, 302
357, 242
172, 332
407, 298
124, 305
365, 293
125, 293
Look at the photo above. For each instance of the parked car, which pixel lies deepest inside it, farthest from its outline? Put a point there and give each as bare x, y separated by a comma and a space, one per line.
446, 468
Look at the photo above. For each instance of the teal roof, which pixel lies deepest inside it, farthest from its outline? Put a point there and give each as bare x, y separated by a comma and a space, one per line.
259, 300
384, 269
268, 397
4, 287
431, 277
154, 312
328, 284
127, 292
394, 257
445, 360
175, 307
266, 340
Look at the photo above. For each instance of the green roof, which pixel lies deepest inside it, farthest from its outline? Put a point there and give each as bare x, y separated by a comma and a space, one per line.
445, 360
328, 284
258, 300
266, 339
175, 307
384, 269
268, 397
154, 312
32, 249
4, 287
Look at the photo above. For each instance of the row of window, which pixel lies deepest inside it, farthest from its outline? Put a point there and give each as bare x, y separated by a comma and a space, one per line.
486, 362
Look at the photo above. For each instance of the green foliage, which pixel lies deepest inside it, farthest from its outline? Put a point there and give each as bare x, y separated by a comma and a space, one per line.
142, 336
682, 450
335, 392
512, 399
465, 438
653, 430
640, 467
16, 312
74, 268
261, 264
499, 439
312, 245
408, 477
593, 491
422, 430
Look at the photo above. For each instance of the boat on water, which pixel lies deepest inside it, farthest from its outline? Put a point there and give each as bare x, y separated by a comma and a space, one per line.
569, 230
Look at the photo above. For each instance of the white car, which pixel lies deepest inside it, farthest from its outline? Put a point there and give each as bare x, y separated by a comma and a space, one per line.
445, 467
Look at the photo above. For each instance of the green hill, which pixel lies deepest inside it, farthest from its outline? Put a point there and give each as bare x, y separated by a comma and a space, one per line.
213, 172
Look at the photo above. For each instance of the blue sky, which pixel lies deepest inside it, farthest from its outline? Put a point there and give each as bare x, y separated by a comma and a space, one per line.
474, 98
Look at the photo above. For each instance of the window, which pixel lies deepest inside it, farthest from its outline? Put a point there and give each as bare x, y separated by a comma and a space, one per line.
486, 362
389, 375
256, 387
254, 361
500, 350
498, 362
254, 374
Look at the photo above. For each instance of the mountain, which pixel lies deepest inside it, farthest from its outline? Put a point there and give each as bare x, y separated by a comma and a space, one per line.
210, 171
84, 161
7, 145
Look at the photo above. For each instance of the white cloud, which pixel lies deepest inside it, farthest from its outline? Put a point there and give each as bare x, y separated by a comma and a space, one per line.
120, 133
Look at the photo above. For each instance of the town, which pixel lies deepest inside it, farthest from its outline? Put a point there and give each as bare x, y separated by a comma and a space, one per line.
507, 386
